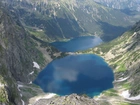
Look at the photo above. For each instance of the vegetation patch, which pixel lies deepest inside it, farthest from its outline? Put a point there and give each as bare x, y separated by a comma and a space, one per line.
126, 85
126, 103
3, 97
111, 92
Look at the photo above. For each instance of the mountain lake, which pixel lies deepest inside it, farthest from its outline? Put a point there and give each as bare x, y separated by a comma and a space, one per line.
79, 73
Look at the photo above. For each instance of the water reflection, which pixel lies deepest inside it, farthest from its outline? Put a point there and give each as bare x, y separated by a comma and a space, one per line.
82, 74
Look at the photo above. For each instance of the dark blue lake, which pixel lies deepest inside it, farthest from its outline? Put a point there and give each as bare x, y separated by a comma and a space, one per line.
77, 44
82, 74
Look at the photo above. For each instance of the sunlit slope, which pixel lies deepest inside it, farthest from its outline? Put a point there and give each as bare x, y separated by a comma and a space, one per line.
123, 55
70, 18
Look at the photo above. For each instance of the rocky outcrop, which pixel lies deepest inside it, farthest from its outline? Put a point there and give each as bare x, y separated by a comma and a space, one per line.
72, 99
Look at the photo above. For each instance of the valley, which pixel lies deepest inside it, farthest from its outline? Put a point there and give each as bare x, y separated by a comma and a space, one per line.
31, 32
126, 68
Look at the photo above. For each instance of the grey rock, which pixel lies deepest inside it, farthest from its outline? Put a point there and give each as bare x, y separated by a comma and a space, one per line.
72, 99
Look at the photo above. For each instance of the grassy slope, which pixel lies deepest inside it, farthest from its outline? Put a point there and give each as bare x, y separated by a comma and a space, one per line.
123, 55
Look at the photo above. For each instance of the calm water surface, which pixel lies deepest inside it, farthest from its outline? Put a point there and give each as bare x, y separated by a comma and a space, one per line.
77, 44
82, 74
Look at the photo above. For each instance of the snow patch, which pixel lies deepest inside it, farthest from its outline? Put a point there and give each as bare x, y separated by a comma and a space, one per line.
134, 33
31, 73
121, 79
126, 95
18, 87
36, 65
30, 82
23, 103
48, 96
20, 95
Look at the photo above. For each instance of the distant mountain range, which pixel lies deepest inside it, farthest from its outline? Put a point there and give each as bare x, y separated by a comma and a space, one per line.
64, 19
133, 5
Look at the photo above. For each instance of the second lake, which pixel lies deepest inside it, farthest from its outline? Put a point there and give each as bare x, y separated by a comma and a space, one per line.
77, 44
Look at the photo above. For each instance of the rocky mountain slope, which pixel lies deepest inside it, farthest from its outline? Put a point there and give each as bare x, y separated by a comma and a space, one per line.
22, 56
17, 53
123, 55
66, 19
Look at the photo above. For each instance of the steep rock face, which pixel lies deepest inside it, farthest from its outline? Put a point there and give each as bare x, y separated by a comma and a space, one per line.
17, 53
15, 44
66, 19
